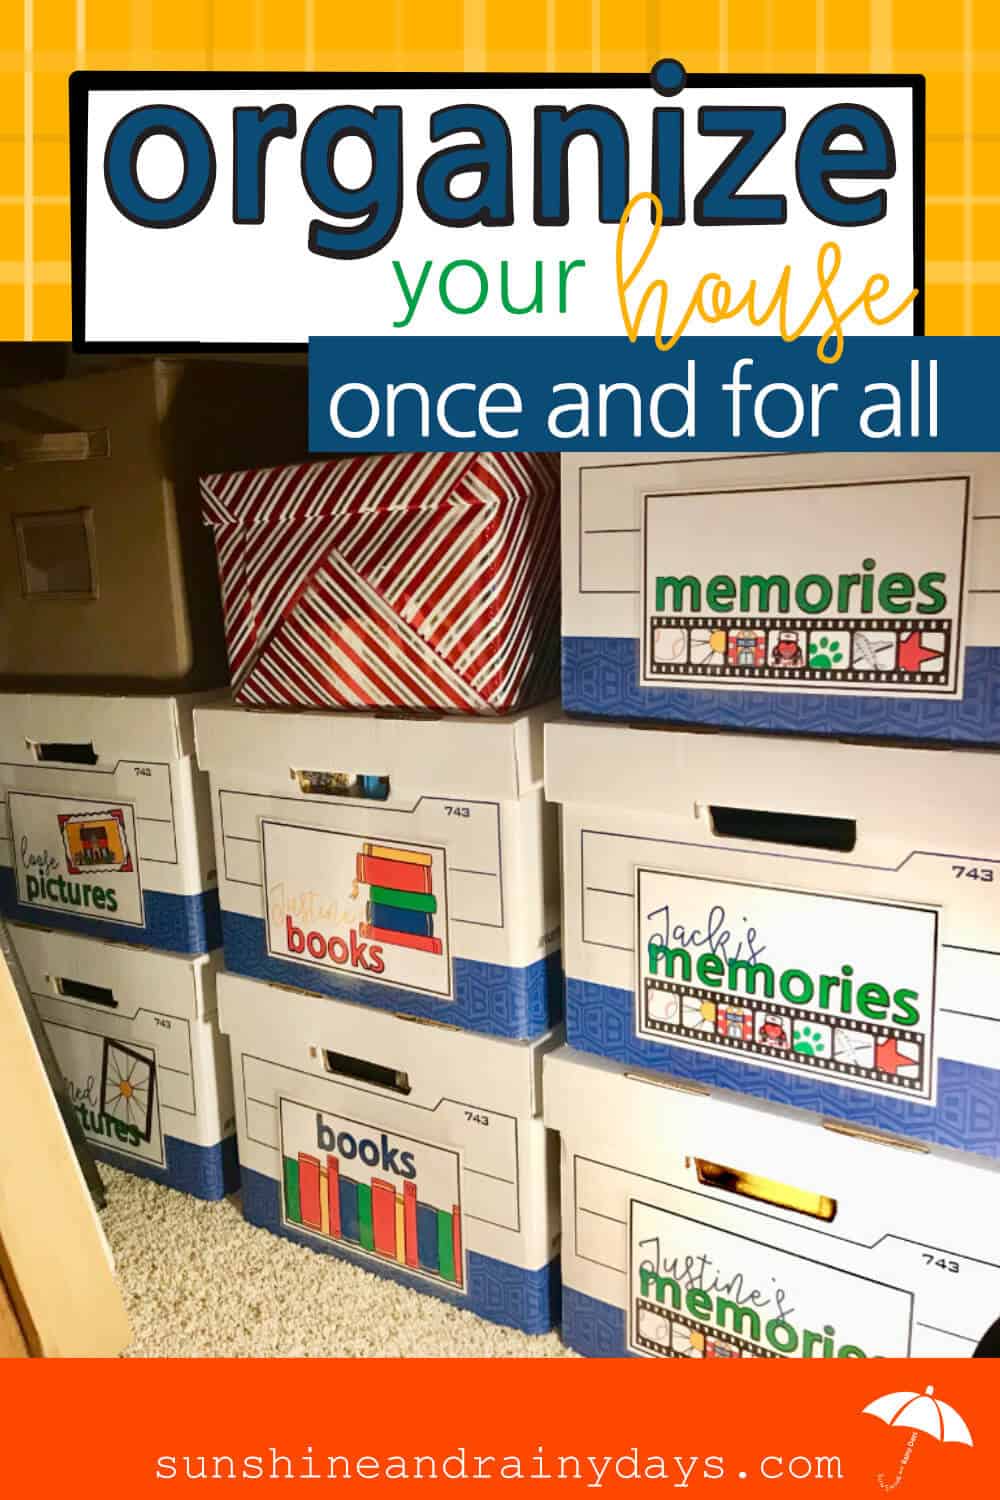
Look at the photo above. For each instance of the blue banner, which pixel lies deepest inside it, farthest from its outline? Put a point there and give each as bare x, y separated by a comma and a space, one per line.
706, 394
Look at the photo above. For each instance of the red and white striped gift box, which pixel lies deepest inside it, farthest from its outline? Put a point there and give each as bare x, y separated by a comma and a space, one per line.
410, 580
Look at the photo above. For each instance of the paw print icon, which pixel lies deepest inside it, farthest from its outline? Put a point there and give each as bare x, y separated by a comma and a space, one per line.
810, 1041
827, 651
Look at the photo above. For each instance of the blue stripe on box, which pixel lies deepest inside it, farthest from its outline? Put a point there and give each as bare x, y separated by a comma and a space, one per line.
174, 924
966, 1117
489, 998
600, 675
592, 1327
511, 1295
209, 1172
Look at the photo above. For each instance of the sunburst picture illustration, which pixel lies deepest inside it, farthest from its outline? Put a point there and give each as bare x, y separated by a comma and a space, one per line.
128, 1086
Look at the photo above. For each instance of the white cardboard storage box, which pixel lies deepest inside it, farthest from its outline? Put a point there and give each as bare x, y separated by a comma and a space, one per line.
104, 824
137, 1038
438, 896
696, 1225
814, 923
817, 593
417, 1151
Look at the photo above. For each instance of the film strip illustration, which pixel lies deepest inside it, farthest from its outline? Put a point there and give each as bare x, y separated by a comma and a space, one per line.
894, 654
866, 1052
670, 1335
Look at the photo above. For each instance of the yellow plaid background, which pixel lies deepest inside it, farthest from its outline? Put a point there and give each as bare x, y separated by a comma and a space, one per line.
956, 45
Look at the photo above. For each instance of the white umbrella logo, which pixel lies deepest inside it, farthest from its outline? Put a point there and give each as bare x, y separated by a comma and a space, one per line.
920, 1412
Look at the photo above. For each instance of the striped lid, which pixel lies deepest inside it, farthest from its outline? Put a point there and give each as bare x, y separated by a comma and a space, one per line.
375, 483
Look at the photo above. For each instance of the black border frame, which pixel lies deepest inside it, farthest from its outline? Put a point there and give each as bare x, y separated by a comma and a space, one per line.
82, 83
956, 691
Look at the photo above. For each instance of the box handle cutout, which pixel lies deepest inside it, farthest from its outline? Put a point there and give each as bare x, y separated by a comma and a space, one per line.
366, 1072
802, 830
77, 989
765, 1190
57, 554
64, 751
56, 447
342, 784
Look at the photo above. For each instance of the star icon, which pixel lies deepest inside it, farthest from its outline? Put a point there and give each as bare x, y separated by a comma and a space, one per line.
912, 654
889, 1059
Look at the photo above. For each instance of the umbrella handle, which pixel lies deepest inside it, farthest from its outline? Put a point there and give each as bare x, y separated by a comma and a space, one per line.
907, 1453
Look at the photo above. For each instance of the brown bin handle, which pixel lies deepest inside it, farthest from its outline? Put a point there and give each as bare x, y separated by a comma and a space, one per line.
55, 447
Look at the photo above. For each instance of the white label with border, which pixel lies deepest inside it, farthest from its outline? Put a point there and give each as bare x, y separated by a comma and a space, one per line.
838, 989
854, 587
376, 909
77, 856
373, 1192
700, 1292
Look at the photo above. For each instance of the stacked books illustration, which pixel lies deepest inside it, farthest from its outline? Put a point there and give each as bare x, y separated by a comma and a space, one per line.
402, 903
375, 1216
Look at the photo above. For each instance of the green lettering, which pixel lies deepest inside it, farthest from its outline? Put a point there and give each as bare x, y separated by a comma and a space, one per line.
826, 984
808, 1340
745, 1320
927, 584
650, 1284
678, 587
484, 286
112, 900
851, 1351
710, 970
895, 593
872, 1000
904, 1013
699, 1304
752, 972
821, 603
789, 1340
659, 954
846, 584
764, 587
720, 592
803, 979
535, 305
565, 267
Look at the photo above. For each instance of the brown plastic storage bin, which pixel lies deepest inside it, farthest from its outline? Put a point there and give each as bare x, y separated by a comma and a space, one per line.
107, 575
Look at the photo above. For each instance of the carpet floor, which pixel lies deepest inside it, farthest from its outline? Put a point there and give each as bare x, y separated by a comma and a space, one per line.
200, 1280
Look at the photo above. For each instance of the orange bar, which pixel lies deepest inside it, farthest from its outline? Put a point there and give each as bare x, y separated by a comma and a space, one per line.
184, 1413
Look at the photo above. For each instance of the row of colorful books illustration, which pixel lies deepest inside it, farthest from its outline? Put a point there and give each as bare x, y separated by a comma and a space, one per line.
374, 1216
403, 905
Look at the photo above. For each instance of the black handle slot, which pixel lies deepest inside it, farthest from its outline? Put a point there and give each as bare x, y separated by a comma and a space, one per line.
367, 1072
801, 830
66, 752
78, 989
766, 1190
